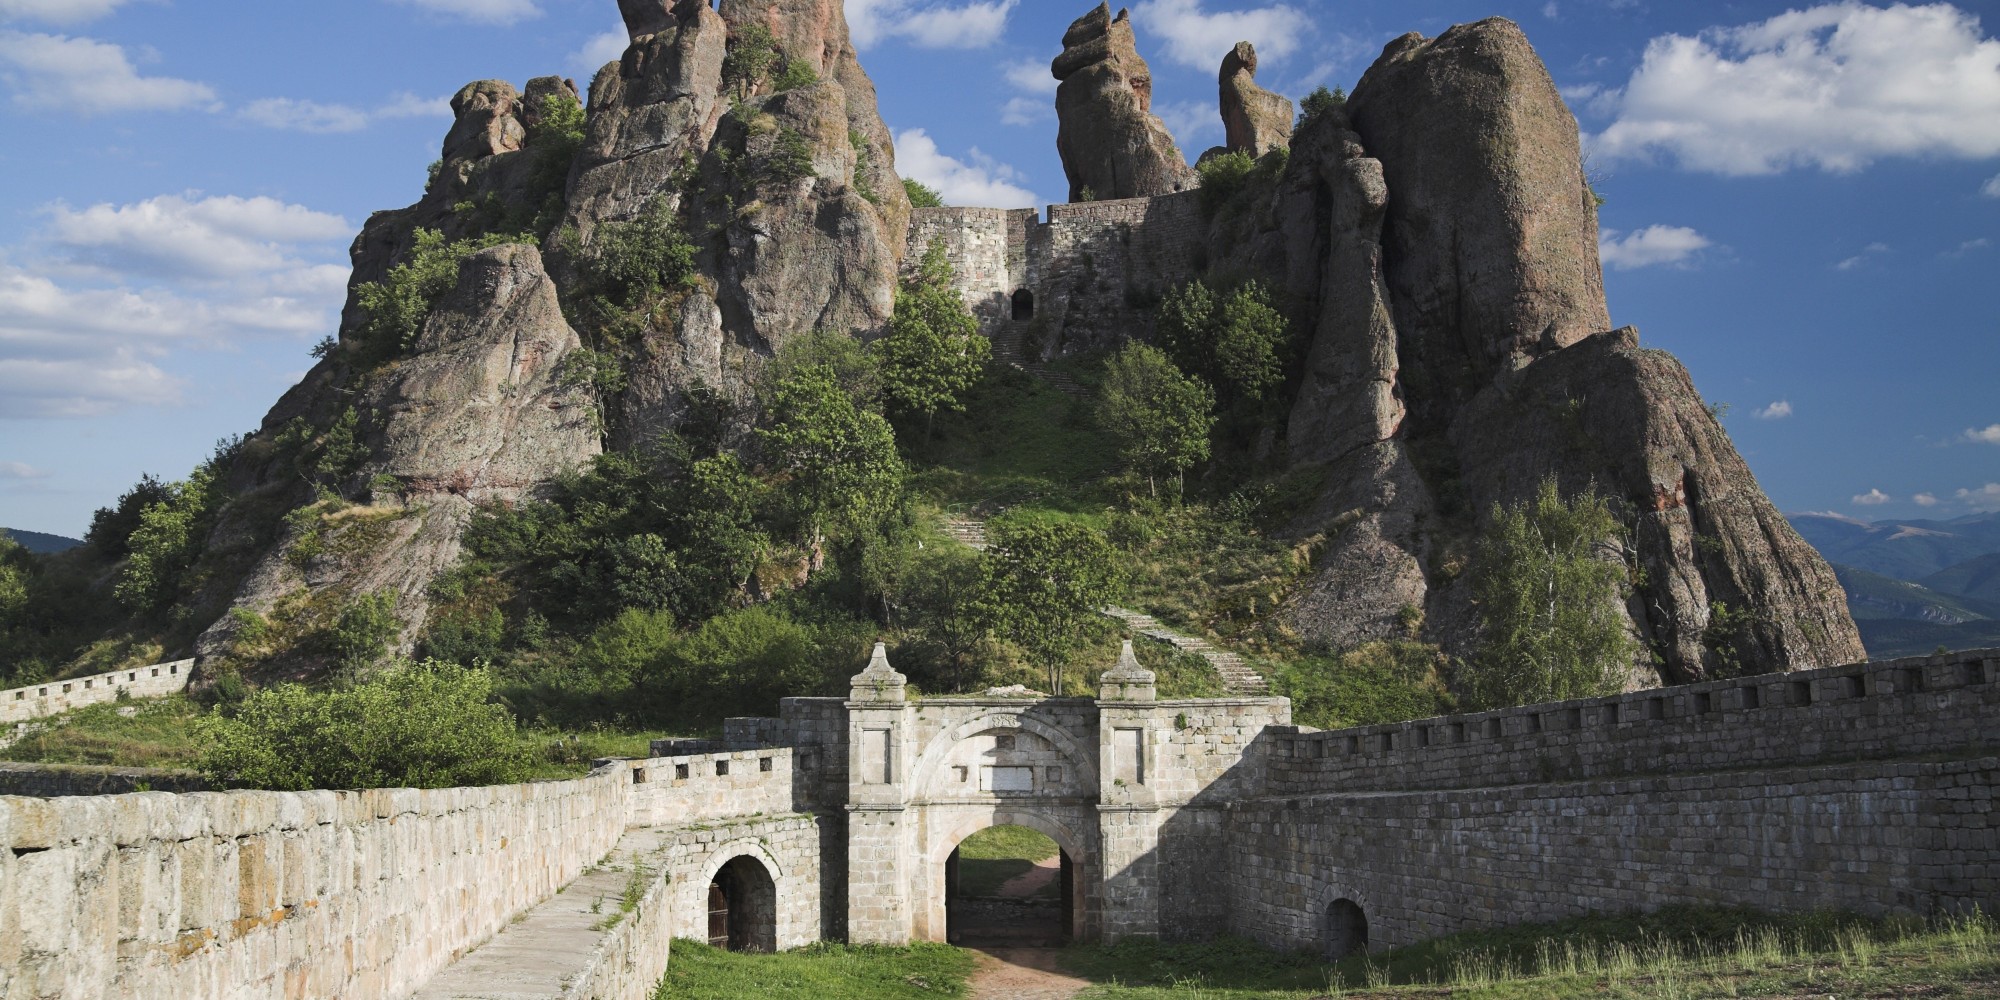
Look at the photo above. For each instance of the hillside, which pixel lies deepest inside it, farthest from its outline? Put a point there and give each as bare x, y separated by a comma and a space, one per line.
658, 396
1903, 549
39, 543
1977, 578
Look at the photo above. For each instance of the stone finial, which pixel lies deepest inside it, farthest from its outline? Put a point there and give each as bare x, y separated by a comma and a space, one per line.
1128, 681
880, 682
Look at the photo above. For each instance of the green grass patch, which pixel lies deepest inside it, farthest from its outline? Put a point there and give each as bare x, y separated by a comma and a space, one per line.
818, 972
990, 858
157, 733
1019, 442
1676, 952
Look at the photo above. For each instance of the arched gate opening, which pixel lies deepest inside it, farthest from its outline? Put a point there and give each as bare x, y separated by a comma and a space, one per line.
743, 907
1346, 930
1023, 306
1009, 886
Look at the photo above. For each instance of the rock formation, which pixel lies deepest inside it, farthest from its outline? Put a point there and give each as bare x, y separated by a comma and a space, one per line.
1254, 120
1440, 237
1111, 144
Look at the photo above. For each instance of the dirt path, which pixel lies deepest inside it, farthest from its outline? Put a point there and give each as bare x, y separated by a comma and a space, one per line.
1022, 974
1033, 880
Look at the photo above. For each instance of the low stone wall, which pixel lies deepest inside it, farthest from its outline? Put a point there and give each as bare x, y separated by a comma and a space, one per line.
275, 894
59, 780
786, 846
1906, 707
1873, 837
699, 788
55, 697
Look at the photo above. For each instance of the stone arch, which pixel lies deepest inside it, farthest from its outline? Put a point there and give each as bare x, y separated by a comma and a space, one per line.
1341, 916
1079, 854
924, 775
739, 885
1021, 305
1005, 815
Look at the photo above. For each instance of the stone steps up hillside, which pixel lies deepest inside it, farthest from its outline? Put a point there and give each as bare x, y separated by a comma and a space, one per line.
1236, 674
967, 531
1010, 349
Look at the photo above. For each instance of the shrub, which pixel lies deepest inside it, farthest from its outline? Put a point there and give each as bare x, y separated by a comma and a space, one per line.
922, 195
363, 633
629, 262
752, 52
841, 461
1548, 602
797, 73
397, 306
1222, 176
1318, 105
599, 370
427, 725
1378, 682
791, 158
741, 663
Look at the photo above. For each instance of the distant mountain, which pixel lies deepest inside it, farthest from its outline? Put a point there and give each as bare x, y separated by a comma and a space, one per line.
1977, 578
1906, 550
35, 541
1890, 639
1874, 597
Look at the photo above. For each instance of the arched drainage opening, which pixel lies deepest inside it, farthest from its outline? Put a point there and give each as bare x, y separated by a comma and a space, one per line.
1346, 930
1009, 886
743, 907
1024, 306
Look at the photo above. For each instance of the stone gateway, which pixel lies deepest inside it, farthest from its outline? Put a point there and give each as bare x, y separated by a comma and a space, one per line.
1866, 787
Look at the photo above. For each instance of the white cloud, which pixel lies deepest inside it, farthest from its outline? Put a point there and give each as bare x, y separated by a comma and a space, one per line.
1925, 499
116, 290
82, 75
601, 49
1871, 250
1776, 411
1872, 498
928, 25
1551, 11
1836, 86
1991, 188
1198, 39
21, 470
1968, 247
1986, 435
1675, 246
1025, 111
312, 116
57, 11
1985, 498
982, 183
1031, 77
482, 11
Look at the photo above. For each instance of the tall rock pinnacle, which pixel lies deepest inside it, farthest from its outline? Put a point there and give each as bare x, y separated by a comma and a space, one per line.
1255, 120
1112, 145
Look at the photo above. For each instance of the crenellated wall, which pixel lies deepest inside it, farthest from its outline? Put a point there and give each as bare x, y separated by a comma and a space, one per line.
54, 697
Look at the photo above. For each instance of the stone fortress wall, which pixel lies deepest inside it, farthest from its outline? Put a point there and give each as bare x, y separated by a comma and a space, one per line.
1092, 273
1867, 787
18, 705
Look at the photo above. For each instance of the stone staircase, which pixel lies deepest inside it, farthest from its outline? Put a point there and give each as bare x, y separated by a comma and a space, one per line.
1236, 674
1010, 349
969, 532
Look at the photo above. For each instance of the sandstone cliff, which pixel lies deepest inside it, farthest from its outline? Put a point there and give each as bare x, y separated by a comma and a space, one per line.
1111, 144
1438, 239
794, 217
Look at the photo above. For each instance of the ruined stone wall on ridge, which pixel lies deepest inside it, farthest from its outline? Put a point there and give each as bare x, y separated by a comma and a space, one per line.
1866, 788
19, 705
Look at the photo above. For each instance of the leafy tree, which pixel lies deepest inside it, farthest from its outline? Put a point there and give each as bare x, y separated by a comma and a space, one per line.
15, 567
367, 627
857, 369
753, 52
1237, 343
947, 608
933, 353
111, 527
1548, 603
427, 725
168, 540
791, 157
741, 662
397, 306
840, 460
797, 73
922, 195
1048, 579
1223, 176
1318, 105
631, 262
1160, 418
717, 505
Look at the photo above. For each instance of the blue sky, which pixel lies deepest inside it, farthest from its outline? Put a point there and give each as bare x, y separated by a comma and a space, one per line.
1804, 201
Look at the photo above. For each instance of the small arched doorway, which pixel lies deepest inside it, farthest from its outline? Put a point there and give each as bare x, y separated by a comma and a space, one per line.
1024, 306
743, 907
1346, 930
1009, 886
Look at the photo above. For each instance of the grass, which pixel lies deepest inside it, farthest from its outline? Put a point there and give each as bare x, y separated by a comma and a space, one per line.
158, 734
817, 972
1019, 443
991, 857
1674, 953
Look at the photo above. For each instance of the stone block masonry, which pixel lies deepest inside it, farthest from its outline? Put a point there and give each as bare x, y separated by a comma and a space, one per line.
55, 697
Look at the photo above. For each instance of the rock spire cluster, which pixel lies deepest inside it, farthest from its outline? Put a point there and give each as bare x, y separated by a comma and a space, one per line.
1111, 143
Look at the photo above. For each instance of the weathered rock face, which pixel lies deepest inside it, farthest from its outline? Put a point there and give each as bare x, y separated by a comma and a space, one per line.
1437, 238
476, 414
1254, 120
1491, 231
1111, 144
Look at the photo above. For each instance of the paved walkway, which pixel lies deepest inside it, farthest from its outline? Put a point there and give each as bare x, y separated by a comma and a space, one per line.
1022, 974
1034, 880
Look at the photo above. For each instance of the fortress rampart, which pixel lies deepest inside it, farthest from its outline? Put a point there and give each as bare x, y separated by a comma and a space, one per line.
1867, 787
54, 697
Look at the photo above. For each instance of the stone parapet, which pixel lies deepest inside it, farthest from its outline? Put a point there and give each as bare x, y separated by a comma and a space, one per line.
55, 697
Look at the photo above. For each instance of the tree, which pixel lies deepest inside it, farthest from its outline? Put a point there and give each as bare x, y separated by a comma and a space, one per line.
1548, 600
947, 607
397, 306
366, 629
427, 725
753, 53
167, 541
1047, 580
1160, 417
841, 460
1236, 343
922, 195
933, 352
